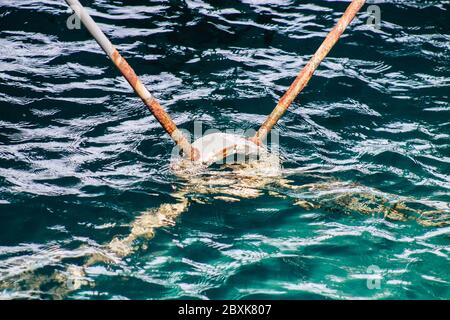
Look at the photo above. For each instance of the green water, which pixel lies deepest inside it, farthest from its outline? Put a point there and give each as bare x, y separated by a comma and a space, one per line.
366, 148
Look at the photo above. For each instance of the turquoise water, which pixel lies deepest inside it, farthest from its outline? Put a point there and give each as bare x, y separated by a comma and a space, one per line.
366, 150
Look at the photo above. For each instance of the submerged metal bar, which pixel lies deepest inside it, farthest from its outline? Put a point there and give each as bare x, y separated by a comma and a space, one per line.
153, 105
305, 75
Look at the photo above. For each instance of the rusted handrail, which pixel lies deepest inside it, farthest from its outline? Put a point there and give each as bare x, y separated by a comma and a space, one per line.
153, 105
305, 75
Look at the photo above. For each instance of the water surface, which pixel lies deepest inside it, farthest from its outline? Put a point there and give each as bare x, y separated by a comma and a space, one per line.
366, 148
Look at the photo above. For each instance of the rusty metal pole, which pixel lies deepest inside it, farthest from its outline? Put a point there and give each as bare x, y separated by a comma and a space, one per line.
153, 105
305, 75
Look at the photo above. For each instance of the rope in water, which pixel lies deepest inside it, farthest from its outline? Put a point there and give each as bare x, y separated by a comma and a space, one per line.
305, 75
153, 105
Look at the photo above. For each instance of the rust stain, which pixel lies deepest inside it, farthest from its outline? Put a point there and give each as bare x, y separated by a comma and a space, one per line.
153, 105
306, 73
256, 140
125, 68
195, 154
160, 114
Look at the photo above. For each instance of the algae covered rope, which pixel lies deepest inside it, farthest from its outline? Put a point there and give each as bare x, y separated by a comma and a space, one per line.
153, 105
305, 75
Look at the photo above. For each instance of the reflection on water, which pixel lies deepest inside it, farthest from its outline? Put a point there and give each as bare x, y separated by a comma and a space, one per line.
90, 207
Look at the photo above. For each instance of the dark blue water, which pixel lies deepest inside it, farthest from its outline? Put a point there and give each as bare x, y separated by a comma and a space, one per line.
365, 147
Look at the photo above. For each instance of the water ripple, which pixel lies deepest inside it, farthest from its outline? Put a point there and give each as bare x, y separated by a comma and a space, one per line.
365, 191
